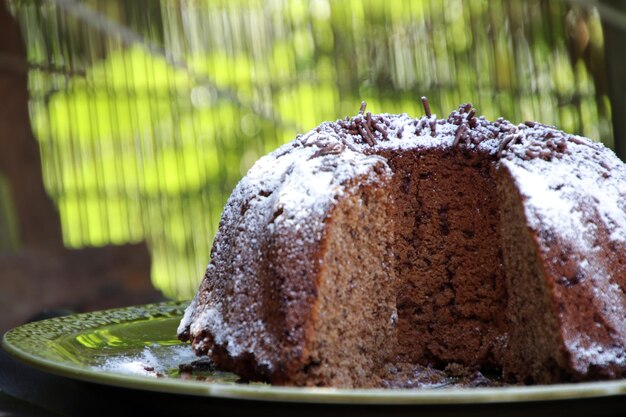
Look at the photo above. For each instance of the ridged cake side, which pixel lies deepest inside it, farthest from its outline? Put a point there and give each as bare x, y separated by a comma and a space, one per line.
574, 209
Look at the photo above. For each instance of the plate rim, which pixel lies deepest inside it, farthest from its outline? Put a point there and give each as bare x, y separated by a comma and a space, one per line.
405, 396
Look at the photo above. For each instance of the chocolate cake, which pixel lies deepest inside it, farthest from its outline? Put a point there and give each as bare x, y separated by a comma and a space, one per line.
386, 240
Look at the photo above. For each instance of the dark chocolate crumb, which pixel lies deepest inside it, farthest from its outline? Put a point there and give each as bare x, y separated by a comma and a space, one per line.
350, 146
365, 125
364, 135
399, 132
459, 134
205, 365
426, 106
531, 153
328, 149
580, 141
503, 145
382, 130
530, 123
363, 105
433, 128
371, 136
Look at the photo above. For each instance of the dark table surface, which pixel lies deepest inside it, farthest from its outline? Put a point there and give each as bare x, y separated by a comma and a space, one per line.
26, 391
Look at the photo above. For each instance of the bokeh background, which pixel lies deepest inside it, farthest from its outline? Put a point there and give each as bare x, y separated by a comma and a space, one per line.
146, 113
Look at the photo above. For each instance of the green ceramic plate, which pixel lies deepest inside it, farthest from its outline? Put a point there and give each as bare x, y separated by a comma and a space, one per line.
136, 347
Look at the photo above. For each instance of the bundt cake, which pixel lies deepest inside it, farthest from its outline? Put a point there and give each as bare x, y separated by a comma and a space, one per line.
383, 239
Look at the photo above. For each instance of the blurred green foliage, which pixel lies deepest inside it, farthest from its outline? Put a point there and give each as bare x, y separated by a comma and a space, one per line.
145, 140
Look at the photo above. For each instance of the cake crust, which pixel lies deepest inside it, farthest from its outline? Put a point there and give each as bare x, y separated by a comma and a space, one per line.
473, 238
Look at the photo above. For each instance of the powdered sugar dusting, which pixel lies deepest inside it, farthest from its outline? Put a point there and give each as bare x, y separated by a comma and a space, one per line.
578, 200
150, 362
589, 352
549, 208
186, 320
292, 188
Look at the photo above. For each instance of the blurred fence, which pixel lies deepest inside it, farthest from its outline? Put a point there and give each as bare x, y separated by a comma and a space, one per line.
147, 113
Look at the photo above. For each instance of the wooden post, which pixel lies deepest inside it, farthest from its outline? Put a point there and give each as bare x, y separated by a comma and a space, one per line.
616, 73
39, 225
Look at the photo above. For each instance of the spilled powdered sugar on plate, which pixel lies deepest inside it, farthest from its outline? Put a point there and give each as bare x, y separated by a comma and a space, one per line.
153, 362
